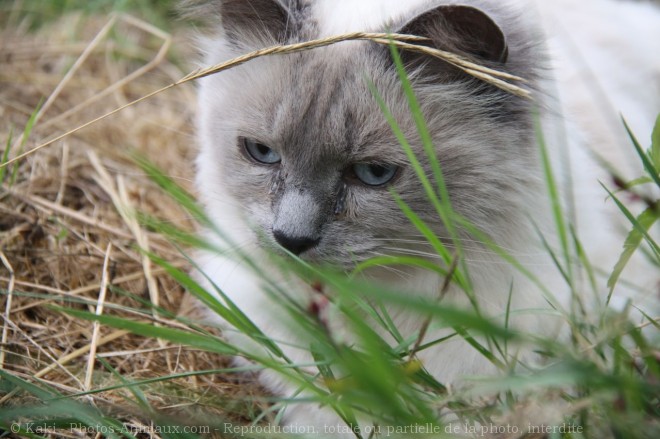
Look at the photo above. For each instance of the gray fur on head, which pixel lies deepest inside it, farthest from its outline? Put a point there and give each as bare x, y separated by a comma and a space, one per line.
315, 109
250, 21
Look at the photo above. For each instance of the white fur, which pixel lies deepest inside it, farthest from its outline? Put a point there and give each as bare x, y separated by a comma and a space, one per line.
607, 66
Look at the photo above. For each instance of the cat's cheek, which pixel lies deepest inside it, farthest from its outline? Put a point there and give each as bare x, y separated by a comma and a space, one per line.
258, 218
356, 204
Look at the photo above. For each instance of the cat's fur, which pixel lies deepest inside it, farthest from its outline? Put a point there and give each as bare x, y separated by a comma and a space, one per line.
316, 110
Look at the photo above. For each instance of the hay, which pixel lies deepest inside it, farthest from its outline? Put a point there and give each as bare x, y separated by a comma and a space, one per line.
64, 237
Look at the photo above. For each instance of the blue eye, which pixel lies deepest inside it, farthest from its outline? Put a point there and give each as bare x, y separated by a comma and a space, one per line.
374, 174
261, 153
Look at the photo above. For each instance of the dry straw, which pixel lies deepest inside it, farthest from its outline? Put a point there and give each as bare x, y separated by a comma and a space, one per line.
59, 214
491, 76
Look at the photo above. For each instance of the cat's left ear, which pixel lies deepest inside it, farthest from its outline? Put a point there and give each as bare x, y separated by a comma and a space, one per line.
462, 29
259, 22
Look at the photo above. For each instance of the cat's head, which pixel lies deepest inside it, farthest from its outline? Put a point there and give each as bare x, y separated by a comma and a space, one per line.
296, 151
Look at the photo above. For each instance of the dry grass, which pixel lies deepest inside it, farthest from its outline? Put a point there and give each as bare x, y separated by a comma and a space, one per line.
65, 234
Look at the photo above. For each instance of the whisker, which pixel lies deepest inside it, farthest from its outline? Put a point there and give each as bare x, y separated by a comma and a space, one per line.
478, 249
400, 273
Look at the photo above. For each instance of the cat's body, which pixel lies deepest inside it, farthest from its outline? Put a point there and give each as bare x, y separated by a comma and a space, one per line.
281, 138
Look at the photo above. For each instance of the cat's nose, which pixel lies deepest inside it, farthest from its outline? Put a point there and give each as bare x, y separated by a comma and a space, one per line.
297, 244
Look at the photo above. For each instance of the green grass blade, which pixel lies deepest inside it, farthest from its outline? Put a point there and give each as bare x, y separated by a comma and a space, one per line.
586, 263
459, 277
198, 291
175, 191
637, 182
176, 234
479, 347
160, 379
416, 165
647, 354
5, 155
232, 313
412, 158
26, 134
408, 261
428, 233
329, 377
655, 144
140, 397
64, 413
39, 392
206, 343
450, 315
634, 239
553, 255
55, 411
648, 165
381, 317
631, 218
427, 142
555, 202
19, 431
440, 200
653, 321
506, 256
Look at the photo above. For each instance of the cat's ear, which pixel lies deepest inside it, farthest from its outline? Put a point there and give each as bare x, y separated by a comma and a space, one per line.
463, 29
260, 22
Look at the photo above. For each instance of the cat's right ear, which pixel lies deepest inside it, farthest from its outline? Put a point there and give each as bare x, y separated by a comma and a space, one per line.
252, 22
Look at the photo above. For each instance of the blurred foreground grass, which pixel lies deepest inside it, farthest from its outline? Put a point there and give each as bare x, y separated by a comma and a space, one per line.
41, 12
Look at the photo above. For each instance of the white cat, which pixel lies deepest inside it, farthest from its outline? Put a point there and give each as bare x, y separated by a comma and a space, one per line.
296, 152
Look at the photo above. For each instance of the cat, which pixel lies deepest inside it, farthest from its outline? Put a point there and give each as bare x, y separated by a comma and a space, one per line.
297, 154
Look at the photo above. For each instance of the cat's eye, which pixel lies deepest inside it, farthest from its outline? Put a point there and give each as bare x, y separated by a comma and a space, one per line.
260, 152
374, 174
